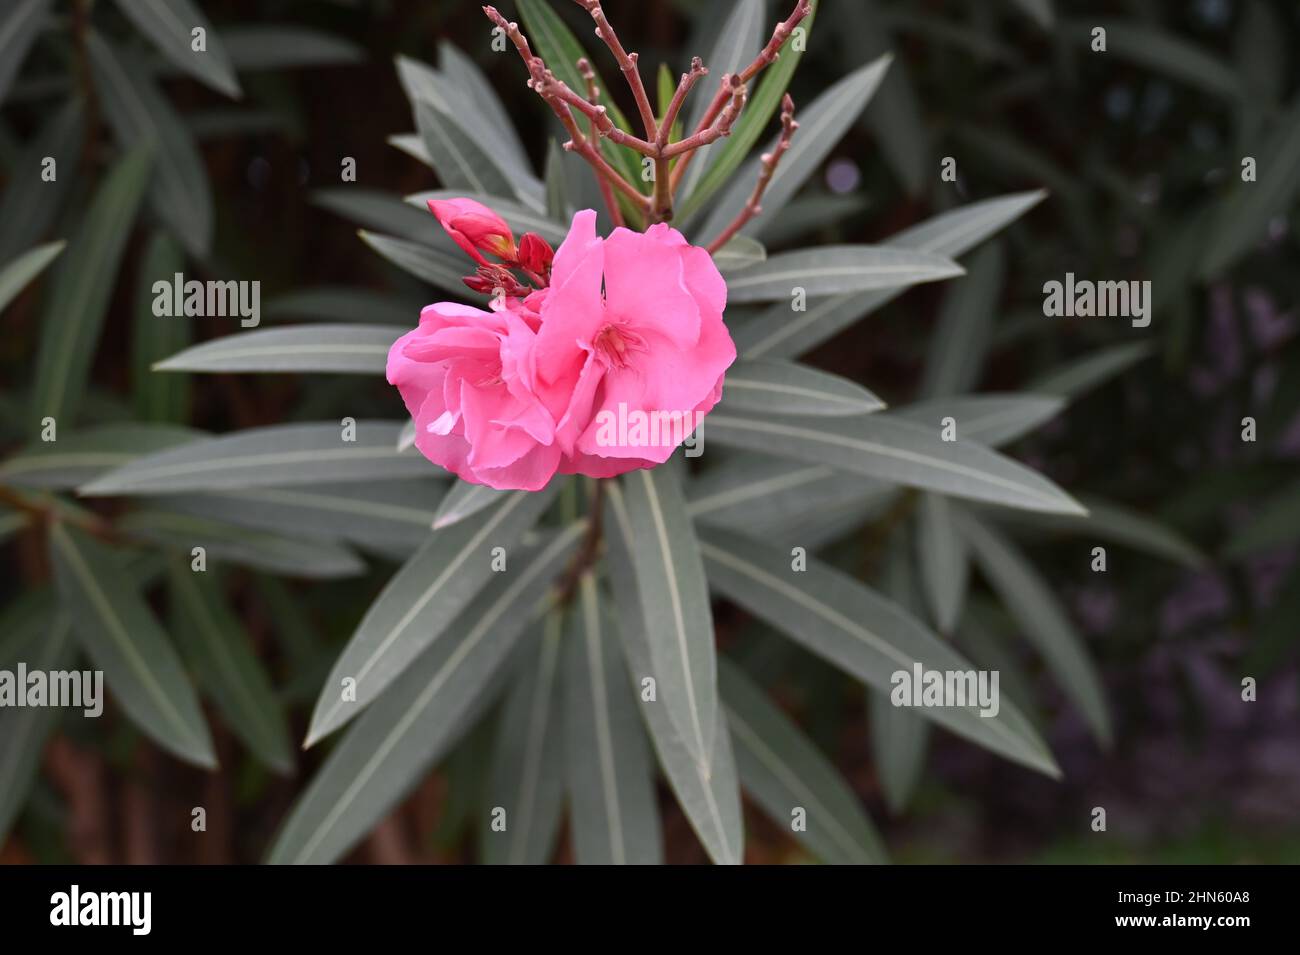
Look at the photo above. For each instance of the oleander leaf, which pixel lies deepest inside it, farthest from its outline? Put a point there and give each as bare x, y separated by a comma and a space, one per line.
846, 623
709, 794
782, 769
273, 456
1043, 621
81, 288
410, 725
886, 447
138, 113
612, 811
835, 270
527, 774
221, 654
783, 387
168, 25
78, 456
419, 603
16, 275
116, 627
331, 348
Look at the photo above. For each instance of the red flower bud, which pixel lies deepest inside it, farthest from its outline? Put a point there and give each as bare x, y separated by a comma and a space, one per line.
535, 253
473, 226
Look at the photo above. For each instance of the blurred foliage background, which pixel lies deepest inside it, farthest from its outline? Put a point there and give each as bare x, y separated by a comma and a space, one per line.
1140, 150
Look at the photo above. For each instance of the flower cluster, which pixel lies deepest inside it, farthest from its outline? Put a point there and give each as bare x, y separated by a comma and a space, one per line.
605, 329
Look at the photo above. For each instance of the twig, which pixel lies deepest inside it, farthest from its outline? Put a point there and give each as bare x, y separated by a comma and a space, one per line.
560, 98
661, 209
626, 63
766, 56
593, 94
720, 128
768, 162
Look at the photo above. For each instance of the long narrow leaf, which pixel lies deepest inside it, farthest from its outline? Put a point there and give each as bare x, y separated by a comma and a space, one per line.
117, 629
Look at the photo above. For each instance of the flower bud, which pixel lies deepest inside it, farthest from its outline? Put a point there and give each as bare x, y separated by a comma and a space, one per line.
474, 227
535, 253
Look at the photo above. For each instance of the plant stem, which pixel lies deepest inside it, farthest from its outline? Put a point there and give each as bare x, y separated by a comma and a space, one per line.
768, 162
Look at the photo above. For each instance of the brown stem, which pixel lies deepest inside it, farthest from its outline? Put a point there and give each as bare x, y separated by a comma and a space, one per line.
765, 57
661, 208
626, 63
768, 164
590, 549
593, 94
721, 127
551, 89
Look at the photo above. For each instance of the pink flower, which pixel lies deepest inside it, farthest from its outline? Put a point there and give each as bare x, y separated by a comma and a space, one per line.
473, 226
605, 370
644, 311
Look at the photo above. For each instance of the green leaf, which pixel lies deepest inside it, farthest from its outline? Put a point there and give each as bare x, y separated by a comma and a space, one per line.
159, 398
882, 446
1040, 11
392, 517
387, 212
945, 570
989, 419
762, 495
782, 769
470, 140
899, 742
740, 252
117, 629
439, 269
612, 815
342, 304
459, 162
168, 23
965, 324
274, 553
15, 276
274, 456
1043, 620
463, 500
24, 730
780, 333
675, 605
556, 44
465, 75
19, 28
1275, 524
738, 41
334, 348
221, 654
393, 743
759, 109
836, 269
1159, 50
27, 214
821, 126
139, 113
708, 793
787, 388
1245, 211
266, 46
846, 623
79, 456
81, 291
419, 603
1074, 379
527, 778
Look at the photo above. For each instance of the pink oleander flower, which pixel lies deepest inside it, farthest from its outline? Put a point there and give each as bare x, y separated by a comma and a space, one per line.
473, 226
606, 369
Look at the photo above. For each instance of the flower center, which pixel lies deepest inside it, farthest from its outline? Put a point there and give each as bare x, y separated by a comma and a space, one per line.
617, 343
